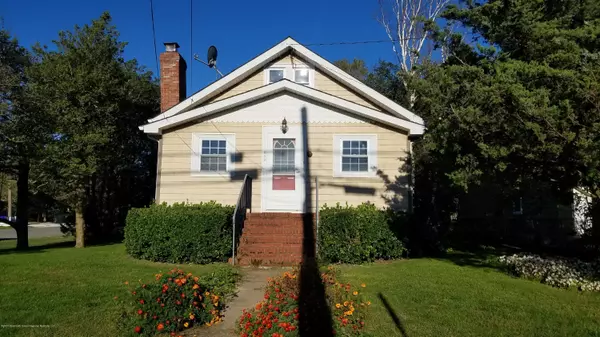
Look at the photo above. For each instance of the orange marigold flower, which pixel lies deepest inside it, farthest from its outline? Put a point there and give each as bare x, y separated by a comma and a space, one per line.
195, 286
337, 305
160, 327
363, 285
355, 293
186, 324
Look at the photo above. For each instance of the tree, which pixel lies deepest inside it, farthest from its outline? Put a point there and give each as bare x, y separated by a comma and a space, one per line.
522, 106
388, 79
405, 23
357, 68
95, 100
22, 129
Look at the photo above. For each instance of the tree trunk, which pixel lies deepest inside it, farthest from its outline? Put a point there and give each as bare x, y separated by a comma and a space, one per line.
79, 227
22, 205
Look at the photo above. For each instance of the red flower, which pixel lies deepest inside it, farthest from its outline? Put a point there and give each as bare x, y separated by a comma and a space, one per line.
160, 327
162, 305
142, 302
140, 311
178, 302
168, 322
182, 295
172, 333
138, 329
154, 317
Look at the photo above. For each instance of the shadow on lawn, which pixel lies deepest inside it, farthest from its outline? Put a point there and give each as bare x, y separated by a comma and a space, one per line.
479, 258
393, 315
65, 242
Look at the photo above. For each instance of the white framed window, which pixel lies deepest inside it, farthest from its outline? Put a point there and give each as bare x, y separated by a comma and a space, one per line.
302, 76
273, 75
212, 153
355, 155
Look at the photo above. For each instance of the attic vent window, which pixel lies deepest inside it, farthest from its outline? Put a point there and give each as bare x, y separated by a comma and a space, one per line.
276, 75
301, 76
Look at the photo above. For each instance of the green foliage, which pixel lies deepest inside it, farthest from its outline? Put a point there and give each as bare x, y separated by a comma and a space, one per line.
196, 233
93, 101
349, 234
357, 68
175, 301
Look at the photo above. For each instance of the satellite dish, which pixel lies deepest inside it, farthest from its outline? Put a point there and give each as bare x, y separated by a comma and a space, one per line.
212, 56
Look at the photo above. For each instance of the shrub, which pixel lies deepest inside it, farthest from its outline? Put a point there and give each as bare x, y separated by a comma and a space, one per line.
176, 301
278, 314
197, 233
357, 234
557, 272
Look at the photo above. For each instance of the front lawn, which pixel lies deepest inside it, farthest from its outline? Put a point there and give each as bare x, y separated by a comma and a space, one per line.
431, 297
70, 289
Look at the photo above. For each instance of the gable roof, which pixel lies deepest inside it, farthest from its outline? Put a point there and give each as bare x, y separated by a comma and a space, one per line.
282, 48
206, 111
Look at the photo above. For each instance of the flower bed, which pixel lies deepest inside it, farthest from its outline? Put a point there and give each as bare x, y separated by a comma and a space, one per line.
557, 272
278, 314
174, 302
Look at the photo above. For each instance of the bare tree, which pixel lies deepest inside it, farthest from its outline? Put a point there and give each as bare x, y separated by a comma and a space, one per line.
404, 21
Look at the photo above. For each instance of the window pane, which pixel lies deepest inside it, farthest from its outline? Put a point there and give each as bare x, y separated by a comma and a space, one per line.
204, 150
222, 143
301, 76
363, 148
275, 75
222, 150
205, 143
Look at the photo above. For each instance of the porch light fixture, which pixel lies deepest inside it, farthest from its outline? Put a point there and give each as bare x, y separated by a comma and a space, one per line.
284, 126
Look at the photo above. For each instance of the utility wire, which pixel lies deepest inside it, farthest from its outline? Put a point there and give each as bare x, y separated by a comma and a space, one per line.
356, 42
191, 46
154, 38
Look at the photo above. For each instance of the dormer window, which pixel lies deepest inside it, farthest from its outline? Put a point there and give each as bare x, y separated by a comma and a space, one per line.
276, 75
301, 74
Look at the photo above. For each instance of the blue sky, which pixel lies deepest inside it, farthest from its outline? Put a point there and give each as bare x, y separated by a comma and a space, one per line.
239, 29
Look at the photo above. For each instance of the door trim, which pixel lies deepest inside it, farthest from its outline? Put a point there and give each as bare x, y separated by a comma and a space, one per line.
268, 133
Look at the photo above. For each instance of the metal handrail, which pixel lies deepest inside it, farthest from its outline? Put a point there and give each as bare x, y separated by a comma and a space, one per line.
244, 203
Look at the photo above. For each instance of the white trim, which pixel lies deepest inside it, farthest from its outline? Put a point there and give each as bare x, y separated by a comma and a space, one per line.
372, 151
276, 51
274, 88
196, 153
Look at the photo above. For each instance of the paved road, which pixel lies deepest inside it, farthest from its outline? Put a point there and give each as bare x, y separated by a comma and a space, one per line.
34, 232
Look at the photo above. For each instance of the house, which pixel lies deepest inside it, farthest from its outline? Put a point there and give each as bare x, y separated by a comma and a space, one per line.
286, 119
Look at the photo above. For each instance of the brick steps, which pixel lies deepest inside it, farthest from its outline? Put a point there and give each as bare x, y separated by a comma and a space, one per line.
271, 239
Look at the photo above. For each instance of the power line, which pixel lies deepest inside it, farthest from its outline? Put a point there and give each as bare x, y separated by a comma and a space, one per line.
356, 42
154, 38
191, 46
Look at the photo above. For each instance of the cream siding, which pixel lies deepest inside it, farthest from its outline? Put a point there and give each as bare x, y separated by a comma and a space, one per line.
323, 83
177, 184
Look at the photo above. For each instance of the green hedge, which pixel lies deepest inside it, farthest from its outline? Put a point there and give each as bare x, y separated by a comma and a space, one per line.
357, 234
197, 233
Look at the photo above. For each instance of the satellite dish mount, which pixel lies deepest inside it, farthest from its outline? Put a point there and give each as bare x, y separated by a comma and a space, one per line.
211, 59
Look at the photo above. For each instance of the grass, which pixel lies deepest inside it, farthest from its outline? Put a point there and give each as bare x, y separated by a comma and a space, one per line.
70, 289
433, 297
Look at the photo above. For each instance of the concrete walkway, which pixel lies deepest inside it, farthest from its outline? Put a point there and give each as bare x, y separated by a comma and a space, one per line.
250, 291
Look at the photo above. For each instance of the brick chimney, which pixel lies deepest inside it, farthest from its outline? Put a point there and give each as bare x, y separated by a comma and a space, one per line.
172, 77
